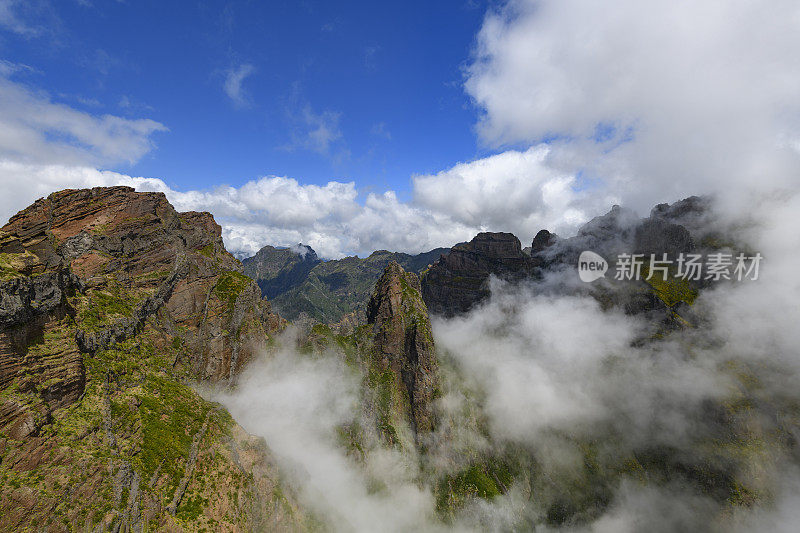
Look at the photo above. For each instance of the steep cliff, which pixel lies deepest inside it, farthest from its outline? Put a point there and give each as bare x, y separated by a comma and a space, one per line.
403, 351
109, 301
459, 279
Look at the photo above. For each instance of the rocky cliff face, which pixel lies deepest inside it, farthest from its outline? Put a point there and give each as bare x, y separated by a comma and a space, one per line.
403, 352
459, 279
127, 258
109, 299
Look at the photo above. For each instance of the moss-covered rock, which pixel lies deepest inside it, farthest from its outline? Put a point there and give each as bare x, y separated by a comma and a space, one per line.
404, 366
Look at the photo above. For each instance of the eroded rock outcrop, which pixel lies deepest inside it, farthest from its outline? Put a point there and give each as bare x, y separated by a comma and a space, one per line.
128, 257
109, 300
459, 279
404, 356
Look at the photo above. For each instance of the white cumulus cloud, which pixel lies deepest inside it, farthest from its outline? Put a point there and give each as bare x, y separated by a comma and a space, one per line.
521, 192
657, 98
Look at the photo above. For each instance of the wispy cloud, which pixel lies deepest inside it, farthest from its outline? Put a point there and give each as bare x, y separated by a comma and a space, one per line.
233, 85
130, 104
33, 128
29, 18
370, 53
100, 61
9, 68
322, 129
381, 130
317, 131
10, 19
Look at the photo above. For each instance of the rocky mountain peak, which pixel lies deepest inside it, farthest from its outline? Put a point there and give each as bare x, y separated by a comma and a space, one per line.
274, 269
498, 245
543, 240
458, 280
96, 267
658, 236
403, 345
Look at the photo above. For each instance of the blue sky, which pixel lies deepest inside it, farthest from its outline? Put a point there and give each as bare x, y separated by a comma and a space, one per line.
354, 127
364, 91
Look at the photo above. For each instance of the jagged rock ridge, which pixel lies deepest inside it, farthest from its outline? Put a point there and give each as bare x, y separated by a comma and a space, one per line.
459, 280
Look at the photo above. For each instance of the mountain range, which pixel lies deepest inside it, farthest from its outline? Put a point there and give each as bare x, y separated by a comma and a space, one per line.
151, 381
297, 282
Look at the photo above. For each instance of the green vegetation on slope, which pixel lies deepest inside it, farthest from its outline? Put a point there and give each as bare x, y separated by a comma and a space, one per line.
328, 290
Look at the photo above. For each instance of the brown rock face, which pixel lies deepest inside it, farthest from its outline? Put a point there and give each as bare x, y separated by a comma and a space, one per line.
84, 269
459, 279
403, 345
109, 301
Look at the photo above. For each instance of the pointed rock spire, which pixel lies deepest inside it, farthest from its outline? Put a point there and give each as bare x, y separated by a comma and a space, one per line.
403, 344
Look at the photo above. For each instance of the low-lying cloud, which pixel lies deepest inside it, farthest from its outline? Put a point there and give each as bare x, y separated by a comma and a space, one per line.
552, 375
296, 403
557, 369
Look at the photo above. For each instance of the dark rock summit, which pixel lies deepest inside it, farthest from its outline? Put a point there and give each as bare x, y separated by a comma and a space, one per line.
543, 240
622, 231
459, 279
658, 236
687, 212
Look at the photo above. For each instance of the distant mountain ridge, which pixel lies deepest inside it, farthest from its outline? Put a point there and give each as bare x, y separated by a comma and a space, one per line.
454, 280
277, 270
327, 291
